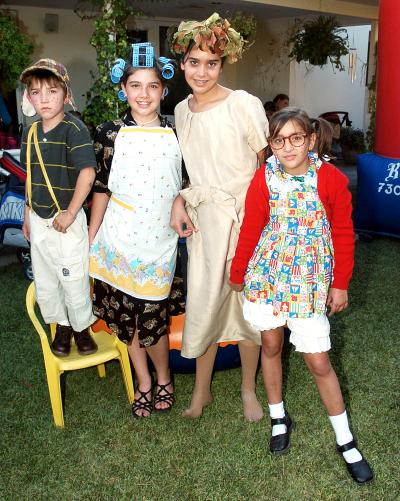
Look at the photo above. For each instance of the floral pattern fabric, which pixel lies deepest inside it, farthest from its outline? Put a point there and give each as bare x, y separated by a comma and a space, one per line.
291, 267
126, 315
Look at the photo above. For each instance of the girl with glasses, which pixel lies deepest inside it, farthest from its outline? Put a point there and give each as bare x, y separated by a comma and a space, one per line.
294, 260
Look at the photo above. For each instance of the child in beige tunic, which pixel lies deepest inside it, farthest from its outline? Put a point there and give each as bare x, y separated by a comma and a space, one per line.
221, 133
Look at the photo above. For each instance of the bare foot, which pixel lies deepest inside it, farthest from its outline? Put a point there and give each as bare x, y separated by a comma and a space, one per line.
252, 409
199, 401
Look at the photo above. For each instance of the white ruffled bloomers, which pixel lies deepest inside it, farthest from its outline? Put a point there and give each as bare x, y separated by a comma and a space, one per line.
308, 335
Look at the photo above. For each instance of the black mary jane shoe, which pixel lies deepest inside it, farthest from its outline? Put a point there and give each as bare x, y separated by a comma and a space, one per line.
360, 471
279, 444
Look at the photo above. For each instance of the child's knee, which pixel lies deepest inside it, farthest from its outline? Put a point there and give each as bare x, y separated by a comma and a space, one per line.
271, 344
319, 364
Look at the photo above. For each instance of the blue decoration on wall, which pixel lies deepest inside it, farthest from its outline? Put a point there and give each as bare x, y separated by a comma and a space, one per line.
378, 195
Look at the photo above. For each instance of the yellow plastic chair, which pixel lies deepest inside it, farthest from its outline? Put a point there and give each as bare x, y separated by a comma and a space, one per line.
109, 348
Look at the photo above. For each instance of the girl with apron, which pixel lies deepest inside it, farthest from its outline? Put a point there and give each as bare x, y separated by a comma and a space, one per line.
133, 249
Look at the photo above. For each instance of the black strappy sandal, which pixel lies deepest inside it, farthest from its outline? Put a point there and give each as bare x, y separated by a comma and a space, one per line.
162, 395
142, 403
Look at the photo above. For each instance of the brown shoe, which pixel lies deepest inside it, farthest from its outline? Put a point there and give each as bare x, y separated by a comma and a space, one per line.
61, 346
84, 342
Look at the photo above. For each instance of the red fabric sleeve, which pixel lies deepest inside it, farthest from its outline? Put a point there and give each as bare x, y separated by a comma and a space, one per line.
334, 194
256, 216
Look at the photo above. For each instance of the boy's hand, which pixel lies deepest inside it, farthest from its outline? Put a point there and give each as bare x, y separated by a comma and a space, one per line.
235, 287
25, 227
338, 300
63, 221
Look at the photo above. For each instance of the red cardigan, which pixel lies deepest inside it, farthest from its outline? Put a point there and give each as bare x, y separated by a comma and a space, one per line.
336, 198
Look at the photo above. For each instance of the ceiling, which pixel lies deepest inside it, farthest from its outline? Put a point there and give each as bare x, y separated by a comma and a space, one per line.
190, 9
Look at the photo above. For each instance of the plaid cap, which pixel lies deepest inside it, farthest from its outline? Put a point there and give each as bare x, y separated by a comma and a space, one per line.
58, 70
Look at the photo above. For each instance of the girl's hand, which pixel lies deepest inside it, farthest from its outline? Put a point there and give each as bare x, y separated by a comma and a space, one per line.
235, 287
180, 221
338, 300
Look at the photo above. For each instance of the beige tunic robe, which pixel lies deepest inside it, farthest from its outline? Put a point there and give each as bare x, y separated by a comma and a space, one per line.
219, 148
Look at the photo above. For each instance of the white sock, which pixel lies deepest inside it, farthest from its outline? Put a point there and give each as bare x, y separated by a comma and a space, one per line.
64, 322
277, 411
343, 434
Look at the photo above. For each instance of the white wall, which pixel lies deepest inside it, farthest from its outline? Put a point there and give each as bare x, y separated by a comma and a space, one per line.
319, 90
70, 46
264, 69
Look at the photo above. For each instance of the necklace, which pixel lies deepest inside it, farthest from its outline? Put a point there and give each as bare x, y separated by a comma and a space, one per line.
145, 123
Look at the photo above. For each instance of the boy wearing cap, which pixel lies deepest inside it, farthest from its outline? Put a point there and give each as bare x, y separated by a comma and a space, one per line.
60, 162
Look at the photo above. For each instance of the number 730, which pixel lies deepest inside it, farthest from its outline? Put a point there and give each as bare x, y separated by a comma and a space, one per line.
389, 188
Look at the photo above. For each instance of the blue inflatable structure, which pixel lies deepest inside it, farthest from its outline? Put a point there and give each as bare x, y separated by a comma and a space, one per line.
378, 195
227, 357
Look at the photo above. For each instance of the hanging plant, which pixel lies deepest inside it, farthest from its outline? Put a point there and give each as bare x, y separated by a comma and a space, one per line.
318, 41
16, 51
246, 25
109, 40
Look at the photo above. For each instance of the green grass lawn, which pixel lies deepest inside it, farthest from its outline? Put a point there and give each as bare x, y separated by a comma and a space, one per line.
103, 454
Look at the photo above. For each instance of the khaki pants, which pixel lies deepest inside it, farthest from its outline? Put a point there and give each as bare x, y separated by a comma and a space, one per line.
60, 263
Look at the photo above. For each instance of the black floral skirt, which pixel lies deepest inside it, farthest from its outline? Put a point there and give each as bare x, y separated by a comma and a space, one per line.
126, 315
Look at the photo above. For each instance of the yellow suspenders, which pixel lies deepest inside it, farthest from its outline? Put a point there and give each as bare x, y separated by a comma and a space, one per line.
33, 133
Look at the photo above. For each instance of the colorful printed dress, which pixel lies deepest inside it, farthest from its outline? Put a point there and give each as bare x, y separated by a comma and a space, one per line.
291, 267
133, 255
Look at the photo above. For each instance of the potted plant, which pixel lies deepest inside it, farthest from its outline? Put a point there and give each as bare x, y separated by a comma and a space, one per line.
352, 142
318, 41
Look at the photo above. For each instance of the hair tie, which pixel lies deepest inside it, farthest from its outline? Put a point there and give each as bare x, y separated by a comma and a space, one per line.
122, 96
168, 69
142, 55
117, 71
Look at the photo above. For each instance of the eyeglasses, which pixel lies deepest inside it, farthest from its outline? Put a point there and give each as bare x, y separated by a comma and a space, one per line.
295, 140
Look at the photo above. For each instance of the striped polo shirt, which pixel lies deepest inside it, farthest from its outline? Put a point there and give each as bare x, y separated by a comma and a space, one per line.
66, 149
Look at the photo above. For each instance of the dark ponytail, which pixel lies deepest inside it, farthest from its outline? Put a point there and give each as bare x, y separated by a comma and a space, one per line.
324, 132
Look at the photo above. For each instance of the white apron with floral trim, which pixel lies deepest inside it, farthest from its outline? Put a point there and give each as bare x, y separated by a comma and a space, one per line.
135, 248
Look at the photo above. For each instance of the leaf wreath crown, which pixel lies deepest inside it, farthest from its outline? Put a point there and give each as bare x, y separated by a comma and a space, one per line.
213, 35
